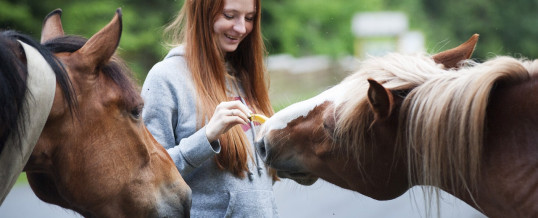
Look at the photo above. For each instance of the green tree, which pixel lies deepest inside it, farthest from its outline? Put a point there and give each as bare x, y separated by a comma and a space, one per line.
505, 27
297, 27
301, 27
141, 42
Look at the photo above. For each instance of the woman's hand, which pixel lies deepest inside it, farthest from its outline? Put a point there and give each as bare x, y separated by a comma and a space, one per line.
226, 115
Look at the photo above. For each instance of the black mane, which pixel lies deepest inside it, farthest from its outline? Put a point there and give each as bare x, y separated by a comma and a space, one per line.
13, 89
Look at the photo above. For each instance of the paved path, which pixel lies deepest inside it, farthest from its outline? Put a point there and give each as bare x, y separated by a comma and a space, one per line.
325, 200
322, 200
21, 202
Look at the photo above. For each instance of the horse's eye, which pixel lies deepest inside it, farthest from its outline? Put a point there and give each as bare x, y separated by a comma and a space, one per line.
329, 127
136, 112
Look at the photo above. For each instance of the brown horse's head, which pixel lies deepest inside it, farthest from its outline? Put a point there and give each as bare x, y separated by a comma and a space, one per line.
348, 134
99, 159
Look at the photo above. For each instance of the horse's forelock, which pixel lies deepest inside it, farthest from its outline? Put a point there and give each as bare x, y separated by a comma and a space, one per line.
65, 44
118, 71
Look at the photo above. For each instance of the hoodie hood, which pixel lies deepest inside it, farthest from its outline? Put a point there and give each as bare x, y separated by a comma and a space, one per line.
177, 51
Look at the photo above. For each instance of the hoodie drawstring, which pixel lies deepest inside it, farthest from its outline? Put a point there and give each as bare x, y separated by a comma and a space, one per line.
256, 157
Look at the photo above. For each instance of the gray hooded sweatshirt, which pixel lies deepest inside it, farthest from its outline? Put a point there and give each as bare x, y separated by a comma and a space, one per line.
170, 115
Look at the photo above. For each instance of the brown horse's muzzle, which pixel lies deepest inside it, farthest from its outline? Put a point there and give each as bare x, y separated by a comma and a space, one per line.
175, 204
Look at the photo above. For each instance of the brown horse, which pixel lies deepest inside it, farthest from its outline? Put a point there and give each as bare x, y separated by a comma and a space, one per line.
93, 154
470, 129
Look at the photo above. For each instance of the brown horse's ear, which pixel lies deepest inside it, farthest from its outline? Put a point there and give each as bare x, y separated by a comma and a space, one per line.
100, 47
52, 26
450, 58
380, 99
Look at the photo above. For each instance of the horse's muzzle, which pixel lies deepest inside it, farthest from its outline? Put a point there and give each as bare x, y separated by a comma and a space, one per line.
175, 205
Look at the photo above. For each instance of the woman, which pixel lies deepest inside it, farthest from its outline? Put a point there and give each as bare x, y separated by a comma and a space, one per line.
197, 104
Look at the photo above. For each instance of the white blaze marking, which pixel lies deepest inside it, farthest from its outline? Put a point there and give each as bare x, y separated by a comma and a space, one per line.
281, 119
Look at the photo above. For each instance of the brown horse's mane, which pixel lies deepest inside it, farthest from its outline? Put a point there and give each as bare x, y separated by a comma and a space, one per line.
116, 69
442, 118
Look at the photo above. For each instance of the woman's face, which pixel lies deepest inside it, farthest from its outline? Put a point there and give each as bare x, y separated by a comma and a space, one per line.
234, 23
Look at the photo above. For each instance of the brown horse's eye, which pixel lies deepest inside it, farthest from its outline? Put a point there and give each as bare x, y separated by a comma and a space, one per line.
329, 124
137, 111
328, 127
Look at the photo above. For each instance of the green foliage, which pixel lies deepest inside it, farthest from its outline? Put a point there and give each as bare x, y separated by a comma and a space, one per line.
297, 27
22, 179
140, 44
301, 27
15, 16
505, 27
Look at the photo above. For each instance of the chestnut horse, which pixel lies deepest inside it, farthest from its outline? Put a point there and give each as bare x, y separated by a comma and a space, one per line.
75, 101
470, 129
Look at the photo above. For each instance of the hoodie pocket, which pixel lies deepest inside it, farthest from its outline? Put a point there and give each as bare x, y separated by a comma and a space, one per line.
257, 203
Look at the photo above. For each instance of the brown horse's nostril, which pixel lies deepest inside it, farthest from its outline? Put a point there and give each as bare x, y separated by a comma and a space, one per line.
262, 151
187, 205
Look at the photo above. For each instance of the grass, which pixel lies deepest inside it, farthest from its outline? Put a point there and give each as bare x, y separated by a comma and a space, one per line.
22, 180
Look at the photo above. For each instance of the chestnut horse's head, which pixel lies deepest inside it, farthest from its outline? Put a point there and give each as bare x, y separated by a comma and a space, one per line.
347, 135
99, 159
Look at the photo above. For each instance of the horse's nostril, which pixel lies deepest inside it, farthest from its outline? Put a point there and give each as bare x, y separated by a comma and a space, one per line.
187, 205
260, 145
263, 152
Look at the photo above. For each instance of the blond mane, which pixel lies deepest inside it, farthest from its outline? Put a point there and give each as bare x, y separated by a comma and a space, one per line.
441, 119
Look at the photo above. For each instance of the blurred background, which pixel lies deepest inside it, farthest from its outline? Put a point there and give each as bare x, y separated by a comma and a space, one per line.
312, 45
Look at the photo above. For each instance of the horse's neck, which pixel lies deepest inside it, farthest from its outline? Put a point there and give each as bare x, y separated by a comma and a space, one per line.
508, 185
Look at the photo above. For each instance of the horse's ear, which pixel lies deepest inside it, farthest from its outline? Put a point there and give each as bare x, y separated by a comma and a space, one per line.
450, 58
52, 26
380, 99
100, 47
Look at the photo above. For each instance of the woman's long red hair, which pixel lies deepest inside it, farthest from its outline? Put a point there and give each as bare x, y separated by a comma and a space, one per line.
194, 28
